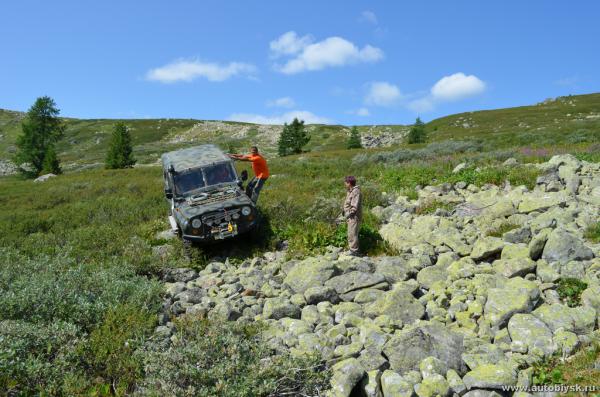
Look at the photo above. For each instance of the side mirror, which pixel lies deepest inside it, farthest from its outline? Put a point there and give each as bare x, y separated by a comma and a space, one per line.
168, 193
244, 175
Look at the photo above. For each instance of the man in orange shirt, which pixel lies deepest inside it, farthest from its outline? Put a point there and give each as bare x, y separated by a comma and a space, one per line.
261, 172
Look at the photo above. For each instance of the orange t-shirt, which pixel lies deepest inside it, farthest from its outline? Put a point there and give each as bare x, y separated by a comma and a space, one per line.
259, 166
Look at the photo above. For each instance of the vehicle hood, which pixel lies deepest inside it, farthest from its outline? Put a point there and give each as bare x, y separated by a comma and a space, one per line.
211, 201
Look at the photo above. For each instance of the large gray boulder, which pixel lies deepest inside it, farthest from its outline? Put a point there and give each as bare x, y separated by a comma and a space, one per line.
345, 375
398, 304
353, 281
517, 296
563, 247
530, 332
580, 320
311, 272
491, 376
406, 349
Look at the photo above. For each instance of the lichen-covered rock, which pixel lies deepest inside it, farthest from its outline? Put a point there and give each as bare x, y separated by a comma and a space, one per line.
432, 274
514, 267
371, 384
491, 376
398, 304
354, 280
406, 349
528, 331
318, 294
486, 247
394, 385
591, 297
517, 296
483, 353
537, 243
311, 272
433, 386
541, 201
280, 307
562, 246
345, 375
432, 365
580, 320
394, 269
457, 386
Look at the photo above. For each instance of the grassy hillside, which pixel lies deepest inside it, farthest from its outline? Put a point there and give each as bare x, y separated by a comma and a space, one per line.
564, 120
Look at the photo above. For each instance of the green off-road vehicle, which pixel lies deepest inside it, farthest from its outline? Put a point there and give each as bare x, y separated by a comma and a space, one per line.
205, 193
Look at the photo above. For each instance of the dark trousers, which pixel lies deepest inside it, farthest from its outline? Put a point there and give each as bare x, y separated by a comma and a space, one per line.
254, 187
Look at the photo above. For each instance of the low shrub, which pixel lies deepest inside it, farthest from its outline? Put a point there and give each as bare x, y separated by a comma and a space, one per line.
59, 289
570, 289
593, 232
226, 359
36, 358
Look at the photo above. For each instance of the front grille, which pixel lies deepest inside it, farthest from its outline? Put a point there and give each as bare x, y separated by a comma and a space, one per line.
217, 218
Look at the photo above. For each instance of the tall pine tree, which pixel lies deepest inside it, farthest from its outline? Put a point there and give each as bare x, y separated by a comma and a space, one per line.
284, 143
42, 128
417, 133
120, 151
354, 139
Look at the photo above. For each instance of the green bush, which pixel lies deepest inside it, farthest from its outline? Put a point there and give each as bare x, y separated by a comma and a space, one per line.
51, 289
570, 289
226, 359
36, 358
593, 232
109, 350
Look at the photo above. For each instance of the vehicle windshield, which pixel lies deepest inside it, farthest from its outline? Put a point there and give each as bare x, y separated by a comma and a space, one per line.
219, 173
189, 180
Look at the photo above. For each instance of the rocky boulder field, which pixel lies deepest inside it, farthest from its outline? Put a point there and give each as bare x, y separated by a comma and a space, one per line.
467, 306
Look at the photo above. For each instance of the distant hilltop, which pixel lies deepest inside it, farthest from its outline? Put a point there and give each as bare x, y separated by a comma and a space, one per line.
86, 140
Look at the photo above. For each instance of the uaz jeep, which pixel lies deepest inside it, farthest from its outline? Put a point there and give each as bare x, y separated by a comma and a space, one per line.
205, 195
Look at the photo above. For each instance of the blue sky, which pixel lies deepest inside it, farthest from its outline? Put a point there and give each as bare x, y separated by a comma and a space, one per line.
346, 62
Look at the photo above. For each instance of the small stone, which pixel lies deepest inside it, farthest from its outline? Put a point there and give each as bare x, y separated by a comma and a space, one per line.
277, 308
346, 375
315, 295
486, 247
392, 384
490, 376
431, 365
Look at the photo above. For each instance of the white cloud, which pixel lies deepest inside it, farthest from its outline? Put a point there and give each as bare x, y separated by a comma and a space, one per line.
185, 70
363, 112
422, 105
457, 86
382, 93
288, 117
284, 102
567, 81
289, 43
331, 52
369, 16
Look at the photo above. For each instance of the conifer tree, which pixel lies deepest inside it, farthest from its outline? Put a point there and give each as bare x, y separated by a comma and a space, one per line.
293, 138
120, 151
354, 139
41, 128
417, 133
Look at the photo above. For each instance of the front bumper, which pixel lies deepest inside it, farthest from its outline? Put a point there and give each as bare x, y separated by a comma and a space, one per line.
220, 232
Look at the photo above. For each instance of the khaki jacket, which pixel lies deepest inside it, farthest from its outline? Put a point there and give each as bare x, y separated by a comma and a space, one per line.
353, 204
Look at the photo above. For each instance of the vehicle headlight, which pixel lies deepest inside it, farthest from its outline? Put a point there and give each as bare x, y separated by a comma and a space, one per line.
235, 216
246, 211
196, 223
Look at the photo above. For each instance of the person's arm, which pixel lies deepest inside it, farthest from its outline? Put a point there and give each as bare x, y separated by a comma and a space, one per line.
354, 200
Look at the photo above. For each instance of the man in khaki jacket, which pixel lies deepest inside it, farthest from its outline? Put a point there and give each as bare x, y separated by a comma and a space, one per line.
353, 213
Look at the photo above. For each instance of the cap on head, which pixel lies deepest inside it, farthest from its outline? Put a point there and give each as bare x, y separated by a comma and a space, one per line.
351, 180
253, 149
